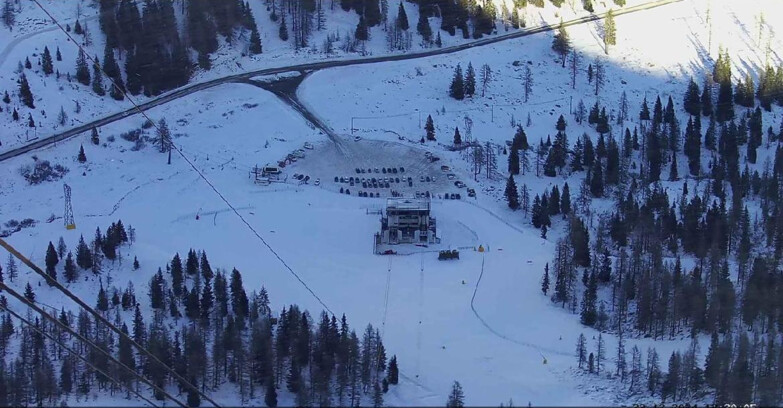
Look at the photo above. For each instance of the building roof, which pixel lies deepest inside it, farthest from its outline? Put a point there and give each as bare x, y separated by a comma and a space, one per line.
407, 204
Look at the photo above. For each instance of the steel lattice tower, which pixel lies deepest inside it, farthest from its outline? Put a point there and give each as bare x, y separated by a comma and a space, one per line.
68, 215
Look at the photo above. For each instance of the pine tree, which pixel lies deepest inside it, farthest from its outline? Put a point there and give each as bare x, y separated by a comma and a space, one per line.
456, 397
112, 70
94, 138
457, 137
691, 101
513, 161
30, 121
512, 196
27, 63
102, 303
70, 273
46, 62
610, 31
25, 94
362, 32
424, 29
620, 361
565, 201
527, 86
589, 313
377, 395
430, 128
597, 180
51, 261
600, 353
82, 70
270, 397
6, 98
561, 43
8, 14
470, 81
561, 125
457, 88
402, 18
58, 56
97, 79
545, 280
581, 350
28, 293
81, 157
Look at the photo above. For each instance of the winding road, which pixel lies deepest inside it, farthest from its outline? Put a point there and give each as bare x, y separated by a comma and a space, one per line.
309, 67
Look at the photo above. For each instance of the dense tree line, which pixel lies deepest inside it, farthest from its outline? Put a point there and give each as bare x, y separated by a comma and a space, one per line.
222, 335
703, 258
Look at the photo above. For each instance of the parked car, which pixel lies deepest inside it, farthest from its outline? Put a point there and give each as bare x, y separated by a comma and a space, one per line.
376, 170
308, 146
317, 182
298, 154
428, 178
358, 171
357, 138
421, 179
433, 159
445, 168
471, 192
402, 169
451, 176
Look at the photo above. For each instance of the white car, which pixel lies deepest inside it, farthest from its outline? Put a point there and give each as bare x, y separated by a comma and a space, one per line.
308, 146
317, 182
298, 154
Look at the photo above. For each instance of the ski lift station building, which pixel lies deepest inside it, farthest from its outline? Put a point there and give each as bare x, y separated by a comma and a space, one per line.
408, 221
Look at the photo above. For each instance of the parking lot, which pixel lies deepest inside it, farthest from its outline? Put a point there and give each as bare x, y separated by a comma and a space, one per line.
377, 169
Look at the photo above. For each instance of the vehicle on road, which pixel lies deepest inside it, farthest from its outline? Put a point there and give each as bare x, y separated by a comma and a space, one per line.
308, 146
357, 138
471, 192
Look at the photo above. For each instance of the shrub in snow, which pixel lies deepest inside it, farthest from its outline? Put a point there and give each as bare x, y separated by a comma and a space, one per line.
42, 171
131, 136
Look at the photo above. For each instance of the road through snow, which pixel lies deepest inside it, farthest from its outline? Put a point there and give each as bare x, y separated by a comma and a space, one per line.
179, 93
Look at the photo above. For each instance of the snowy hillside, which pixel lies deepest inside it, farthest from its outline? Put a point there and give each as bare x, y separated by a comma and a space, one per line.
481, 320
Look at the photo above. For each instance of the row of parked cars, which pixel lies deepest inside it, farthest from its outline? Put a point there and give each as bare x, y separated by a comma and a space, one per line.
382, 170
295, 155
304, 179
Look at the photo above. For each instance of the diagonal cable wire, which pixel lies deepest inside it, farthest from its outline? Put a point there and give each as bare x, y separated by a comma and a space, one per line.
98, 317
171, 144
42, 312
75, 353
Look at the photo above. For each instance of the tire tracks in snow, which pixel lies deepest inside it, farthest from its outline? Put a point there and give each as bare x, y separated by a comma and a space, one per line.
540, 349
133, 190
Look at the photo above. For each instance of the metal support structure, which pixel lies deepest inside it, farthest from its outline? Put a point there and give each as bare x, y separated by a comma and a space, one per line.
68, 214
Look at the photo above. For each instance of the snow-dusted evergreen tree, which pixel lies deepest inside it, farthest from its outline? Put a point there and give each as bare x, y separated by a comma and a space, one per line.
470, 81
